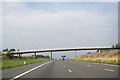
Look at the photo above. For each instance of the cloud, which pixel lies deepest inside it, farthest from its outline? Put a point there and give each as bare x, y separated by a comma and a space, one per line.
28, 28
63, 19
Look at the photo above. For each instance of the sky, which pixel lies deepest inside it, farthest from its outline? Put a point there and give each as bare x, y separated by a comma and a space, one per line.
47, 25
59, 0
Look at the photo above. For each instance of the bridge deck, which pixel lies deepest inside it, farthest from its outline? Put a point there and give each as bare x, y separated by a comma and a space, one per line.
62, 49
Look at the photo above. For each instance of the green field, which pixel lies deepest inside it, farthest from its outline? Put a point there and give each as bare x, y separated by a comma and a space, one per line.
20, 62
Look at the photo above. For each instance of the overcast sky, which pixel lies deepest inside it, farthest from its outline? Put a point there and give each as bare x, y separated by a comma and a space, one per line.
41, 25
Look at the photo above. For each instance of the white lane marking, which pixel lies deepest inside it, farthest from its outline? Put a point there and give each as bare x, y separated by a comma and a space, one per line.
108, 69
113, 65
88, 65
105, 64
29, 71
96, 63
108, 64
64, 65
69, 70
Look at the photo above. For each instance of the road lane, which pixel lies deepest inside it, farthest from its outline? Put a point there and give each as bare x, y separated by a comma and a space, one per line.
64, 69
52, 70
82, 69
26, 72
12, 72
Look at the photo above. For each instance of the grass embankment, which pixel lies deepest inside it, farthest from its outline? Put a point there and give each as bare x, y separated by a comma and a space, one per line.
0, 64
19, 62
110, 57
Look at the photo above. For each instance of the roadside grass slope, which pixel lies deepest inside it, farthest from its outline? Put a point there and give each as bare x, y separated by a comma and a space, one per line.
19, 62
111, 57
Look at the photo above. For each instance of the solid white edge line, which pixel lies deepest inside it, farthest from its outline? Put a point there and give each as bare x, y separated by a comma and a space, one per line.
29, 71
108, 64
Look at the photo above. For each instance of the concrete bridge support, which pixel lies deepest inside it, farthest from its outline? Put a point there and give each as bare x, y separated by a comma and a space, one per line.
51, 56
34, 55
99, 51
75, 54
19, 56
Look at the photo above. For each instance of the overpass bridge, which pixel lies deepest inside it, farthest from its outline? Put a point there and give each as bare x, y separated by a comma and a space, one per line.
63, 49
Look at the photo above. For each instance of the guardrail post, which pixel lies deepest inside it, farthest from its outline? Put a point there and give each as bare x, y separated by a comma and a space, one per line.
35, 55
51, 55
75, 54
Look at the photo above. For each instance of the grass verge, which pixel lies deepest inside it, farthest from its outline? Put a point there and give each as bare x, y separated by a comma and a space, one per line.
20, 62
109, 57
99, 61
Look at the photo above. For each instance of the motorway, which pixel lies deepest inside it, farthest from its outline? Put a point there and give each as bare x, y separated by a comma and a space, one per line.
62, 69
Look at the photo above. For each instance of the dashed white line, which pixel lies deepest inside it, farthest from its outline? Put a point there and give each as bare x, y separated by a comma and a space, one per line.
108, 69
29, 71
69, 70
64, 66
88, 65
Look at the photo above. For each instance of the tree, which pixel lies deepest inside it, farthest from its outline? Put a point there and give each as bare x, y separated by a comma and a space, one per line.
9, 54
40, 56
5, 50
11, 50
113, 46
117, 45
89, 53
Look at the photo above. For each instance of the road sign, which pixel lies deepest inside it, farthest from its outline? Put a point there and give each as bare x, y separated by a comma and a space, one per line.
63, 56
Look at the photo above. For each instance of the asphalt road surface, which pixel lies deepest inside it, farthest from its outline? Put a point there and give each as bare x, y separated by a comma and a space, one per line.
62, 69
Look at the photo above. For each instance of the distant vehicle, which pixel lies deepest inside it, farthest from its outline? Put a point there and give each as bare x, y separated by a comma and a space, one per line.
63, 58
